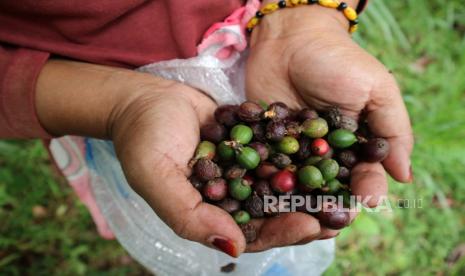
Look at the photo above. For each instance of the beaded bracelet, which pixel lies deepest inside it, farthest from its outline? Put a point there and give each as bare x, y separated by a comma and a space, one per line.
348, 12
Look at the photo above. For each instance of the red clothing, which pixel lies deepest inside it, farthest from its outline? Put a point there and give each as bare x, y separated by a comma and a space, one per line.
125, 33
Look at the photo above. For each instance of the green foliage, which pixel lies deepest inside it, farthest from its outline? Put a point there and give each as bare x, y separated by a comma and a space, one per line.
60, 240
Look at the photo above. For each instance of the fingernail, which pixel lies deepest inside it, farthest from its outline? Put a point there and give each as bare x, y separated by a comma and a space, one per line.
411, 177
225, 245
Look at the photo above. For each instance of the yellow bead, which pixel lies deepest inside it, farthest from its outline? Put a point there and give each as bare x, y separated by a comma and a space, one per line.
269, 8
353, 28
252, 23
328, 3
294, 2
303, 2
350, 13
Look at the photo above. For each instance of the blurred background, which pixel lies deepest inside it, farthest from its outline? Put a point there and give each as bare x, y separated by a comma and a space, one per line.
44, 229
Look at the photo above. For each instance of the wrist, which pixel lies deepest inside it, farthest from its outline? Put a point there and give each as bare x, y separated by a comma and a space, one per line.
74, 98
305, 19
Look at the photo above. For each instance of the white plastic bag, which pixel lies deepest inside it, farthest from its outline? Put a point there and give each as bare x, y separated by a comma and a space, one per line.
146, 237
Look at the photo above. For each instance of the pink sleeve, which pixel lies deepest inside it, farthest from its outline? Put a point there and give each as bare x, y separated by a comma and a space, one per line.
19, 69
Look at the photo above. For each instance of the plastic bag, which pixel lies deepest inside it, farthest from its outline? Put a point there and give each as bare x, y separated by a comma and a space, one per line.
146, 237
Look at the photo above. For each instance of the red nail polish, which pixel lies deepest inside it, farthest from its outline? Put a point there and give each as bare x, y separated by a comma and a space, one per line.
411, 177
227, 246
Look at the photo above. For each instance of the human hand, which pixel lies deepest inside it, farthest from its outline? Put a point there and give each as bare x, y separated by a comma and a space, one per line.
305, 57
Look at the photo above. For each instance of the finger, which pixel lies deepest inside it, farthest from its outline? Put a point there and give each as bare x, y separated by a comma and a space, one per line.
180, 206
287, 229
388, 117
368, 180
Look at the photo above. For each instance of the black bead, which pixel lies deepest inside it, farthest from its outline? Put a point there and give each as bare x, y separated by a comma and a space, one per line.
342, 6
249, 30
282, 4
311, 2
259, 14
353, 22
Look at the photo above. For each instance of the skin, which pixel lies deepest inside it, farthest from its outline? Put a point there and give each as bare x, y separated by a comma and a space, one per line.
303, 57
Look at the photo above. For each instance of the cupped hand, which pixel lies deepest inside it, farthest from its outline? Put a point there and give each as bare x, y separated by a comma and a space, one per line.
305, 57
155, 134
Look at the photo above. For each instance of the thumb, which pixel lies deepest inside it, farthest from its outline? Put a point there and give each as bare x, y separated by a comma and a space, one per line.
388, 117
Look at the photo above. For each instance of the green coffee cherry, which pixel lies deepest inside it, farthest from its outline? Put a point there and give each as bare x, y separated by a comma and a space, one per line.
248, 158
311, 177
288, 145
329, 168
341, 138
241, 134
225, 151
206, 150
241, 217
333, 186
239, 189
315, 128
312, 160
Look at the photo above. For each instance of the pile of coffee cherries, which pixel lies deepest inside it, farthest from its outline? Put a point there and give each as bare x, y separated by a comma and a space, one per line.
255, 150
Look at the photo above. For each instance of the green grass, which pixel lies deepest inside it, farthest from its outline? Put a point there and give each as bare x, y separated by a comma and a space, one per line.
411, 241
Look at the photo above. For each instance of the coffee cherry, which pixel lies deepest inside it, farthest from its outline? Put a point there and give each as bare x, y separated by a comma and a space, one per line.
333, 186
315, 128
319, 147
375, 150
239, 189
343, 174
249, 231
293, 129
248, 158
229, 205
250, 112
348, 158
225, 151
304, 148
341, 138
205, 150
248, 180
348, 123
288, 145
311, 177
259, 131
261, 149
226, 115
241, 217
206, 170
329, 168
307, 114
283, 181
254, 206
241, 134
215, 189
265, 170
196, 183
277, 111
234, 171
213, 132
280, 160
275, 131
332, 217
312, 160
262, 188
